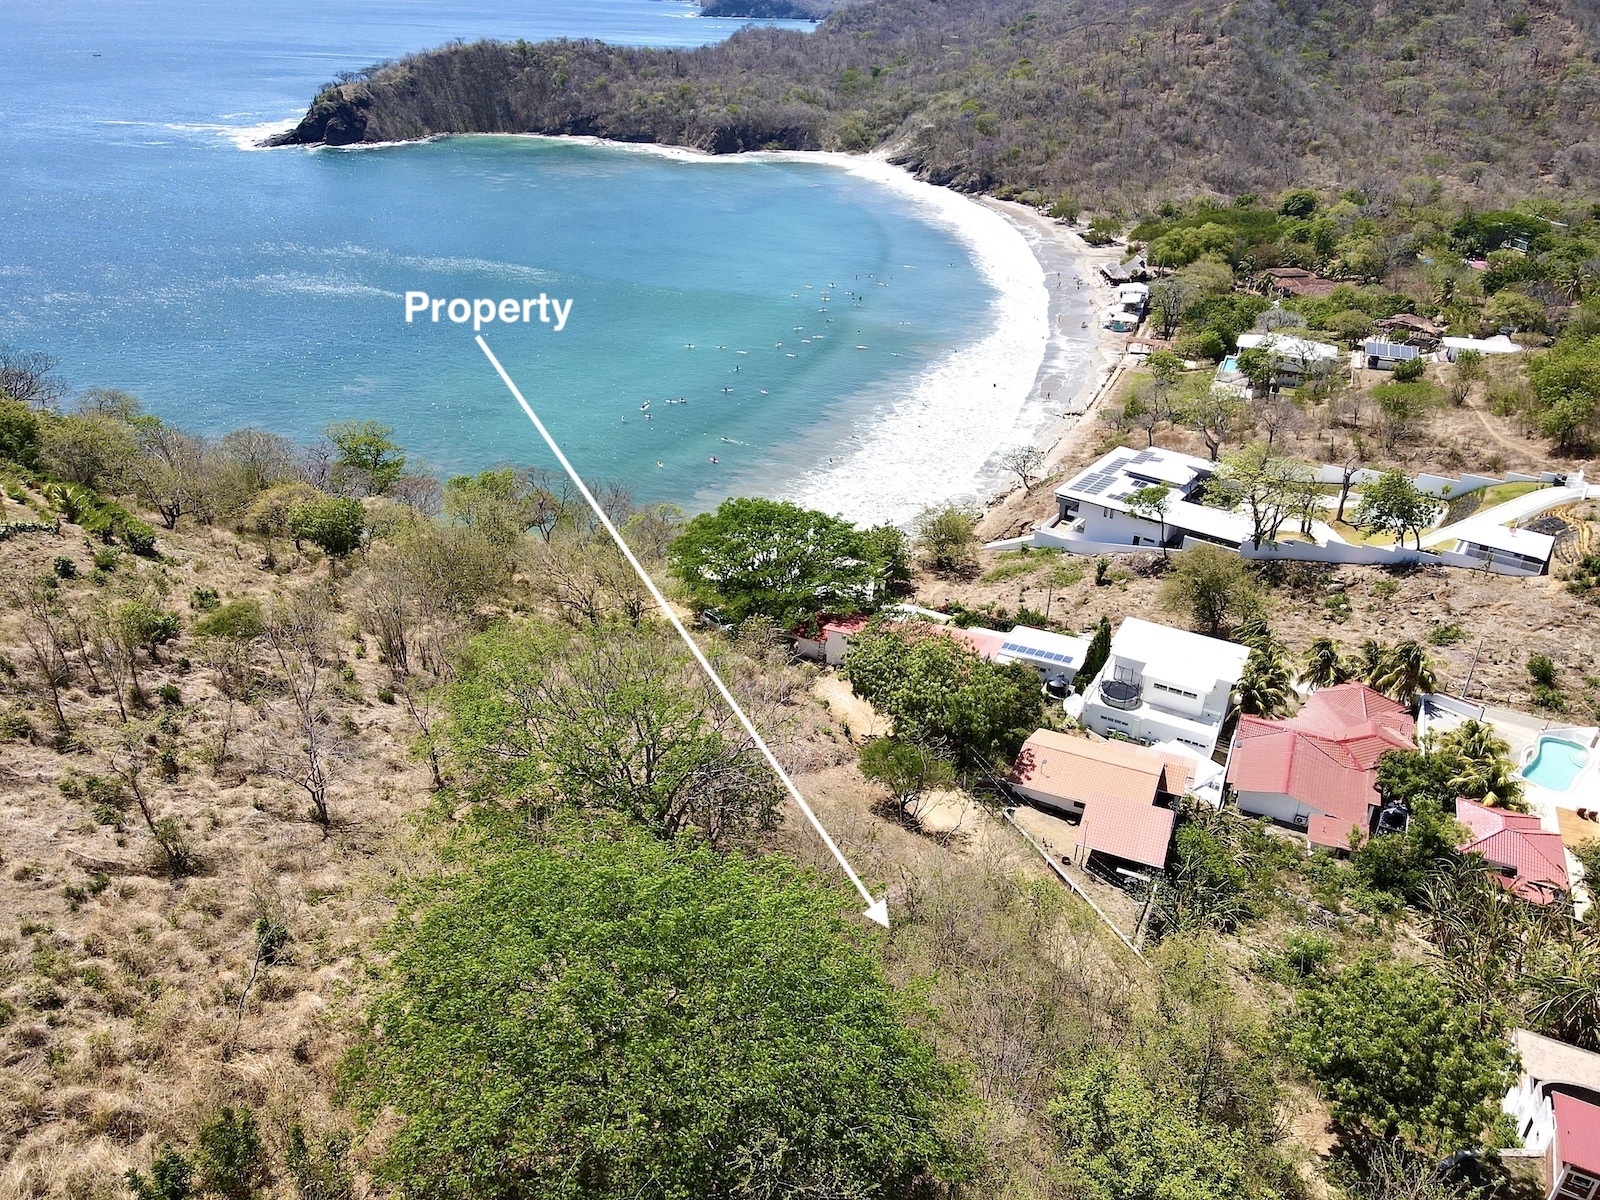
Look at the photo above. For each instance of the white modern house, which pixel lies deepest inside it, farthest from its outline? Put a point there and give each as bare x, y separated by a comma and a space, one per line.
1132, 299
1093, 504
1293, 357
1164, 685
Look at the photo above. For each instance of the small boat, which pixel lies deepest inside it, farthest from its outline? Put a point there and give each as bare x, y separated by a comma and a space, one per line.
645, 407
713, 458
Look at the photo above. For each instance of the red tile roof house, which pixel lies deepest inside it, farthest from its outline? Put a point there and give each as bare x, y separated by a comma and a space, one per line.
1553, 1111
1572, 1162
1317, 770
1531, 860
1117, 789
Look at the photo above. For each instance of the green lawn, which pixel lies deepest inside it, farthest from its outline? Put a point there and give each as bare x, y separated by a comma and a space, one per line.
1463, 507
1360, 537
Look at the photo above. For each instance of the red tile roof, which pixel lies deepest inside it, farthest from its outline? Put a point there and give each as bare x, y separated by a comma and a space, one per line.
1325, 757
986, 642
1577, 1133
1515, 842
847, 625
1366, 722
1137, 832
1075, 768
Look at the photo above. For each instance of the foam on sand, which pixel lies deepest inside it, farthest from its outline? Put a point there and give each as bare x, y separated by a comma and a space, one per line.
938, 441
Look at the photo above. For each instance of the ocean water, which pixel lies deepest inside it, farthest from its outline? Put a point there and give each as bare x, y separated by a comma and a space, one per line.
827, 331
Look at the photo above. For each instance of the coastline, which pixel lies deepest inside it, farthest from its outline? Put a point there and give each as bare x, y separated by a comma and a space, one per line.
1045, 362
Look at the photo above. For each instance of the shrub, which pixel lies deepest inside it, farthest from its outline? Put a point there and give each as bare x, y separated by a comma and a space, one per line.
64, 567
204, 598
170, 695
1408, 371
1542, 669
105, 559
238, 619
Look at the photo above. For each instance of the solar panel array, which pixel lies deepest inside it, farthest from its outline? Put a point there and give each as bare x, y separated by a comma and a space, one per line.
1035, 652
1098, 481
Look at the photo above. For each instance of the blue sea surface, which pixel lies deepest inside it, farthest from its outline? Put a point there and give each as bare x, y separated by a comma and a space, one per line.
143, 244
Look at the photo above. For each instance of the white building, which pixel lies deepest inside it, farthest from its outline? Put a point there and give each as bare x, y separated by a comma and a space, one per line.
1555, 1108
1094, 503
1499, 344
1294, 356
1162, 684
1053, 655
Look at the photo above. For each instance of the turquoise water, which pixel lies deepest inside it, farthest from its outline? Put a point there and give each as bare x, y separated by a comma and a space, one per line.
1557, 765
144, 246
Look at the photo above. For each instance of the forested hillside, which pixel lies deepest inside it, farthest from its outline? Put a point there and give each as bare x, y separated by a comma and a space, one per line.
1089, 101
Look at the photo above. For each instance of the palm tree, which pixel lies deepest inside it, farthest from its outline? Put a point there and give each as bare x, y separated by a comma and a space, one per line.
1324, 667
1368, 663
1405, 672
1485, 770
1267, 683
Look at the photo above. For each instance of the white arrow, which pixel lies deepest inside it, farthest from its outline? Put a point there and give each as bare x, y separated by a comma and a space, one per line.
877, 910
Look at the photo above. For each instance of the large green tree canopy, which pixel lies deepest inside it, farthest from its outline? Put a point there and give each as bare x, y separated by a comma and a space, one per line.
939, 692
1397, 1056
789, 563
611, 1015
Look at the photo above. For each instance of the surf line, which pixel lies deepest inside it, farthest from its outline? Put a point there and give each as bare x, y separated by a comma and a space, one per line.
876, 910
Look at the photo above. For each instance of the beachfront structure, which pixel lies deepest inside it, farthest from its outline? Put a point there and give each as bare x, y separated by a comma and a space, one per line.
1132, 300
1293, 357
1093, 504
1164, 685
1529, 859
1318, 770
1121, 794
1379, 355
1555, 1111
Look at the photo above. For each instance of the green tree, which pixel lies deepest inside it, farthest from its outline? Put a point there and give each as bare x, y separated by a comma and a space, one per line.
1513, 310
1267, 485
1566, 383
501, 504
615, 1016
780, 560
1266, 686
229, 1159
1323, 665
1216, 416
947, 537
1212, 587
1481, 759
906, 770
1393, 504
1151, 503
171, 1177
366, 457
1407, 672
19, 433
1095, 657
1396, 1056
334, 524
603, 719
941, 694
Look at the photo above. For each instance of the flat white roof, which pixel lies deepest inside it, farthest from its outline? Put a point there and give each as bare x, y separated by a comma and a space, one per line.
1211, 522
1115, 476
1501, 537
1499, 344
1292, 347
1177, 656
1044, 646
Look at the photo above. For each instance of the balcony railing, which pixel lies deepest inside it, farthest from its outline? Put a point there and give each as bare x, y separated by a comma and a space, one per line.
1122, 693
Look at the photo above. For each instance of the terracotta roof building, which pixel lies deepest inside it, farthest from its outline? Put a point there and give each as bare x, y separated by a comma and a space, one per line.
1118, 789
1555, 1110
1318, 770
1531, 860
1295, 281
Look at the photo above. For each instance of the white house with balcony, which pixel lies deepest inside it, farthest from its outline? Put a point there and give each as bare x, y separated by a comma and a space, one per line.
1164, 685
1093, 504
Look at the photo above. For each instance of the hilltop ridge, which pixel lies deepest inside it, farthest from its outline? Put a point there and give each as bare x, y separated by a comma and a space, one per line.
1085, 101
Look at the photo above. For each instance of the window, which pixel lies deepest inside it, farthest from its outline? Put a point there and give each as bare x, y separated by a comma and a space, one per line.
1176, 691
1577, 1185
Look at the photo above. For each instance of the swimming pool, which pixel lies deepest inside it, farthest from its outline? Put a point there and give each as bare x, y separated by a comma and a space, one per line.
1230, 366
1557, 764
